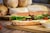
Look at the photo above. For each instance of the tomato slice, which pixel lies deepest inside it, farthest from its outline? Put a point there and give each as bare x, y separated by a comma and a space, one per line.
0, 27
45, 18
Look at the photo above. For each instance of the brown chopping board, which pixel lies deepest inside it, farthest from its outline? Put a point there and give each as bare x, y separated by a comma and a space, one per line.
30, 28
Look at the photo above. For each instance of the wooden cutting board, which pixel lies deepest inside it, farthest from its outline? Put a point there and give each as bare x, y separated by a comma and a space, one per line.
30, 28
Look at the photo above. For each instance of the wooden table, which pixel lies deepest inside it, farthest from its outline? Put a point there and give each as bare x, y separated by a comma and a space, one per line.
6, 30
34, 29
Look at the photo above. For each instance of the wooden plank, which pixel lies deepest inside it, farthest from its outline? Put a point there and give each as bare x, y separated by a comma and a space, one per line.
30, 28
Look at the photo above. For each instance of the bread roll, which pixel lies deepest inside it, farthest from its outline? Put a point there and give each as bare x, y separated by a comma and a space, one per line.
3, 10
23, 3
29, 2
11, 3
19, 11
38, 9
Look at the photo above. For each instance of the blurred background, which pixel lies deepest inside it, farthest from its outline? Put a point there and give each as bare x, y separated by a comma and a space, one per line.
36, 1
41, 1
1, 1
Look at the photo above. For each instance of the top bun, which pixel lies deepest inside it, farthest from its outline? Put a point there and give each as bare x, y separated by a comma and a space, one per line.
38, 8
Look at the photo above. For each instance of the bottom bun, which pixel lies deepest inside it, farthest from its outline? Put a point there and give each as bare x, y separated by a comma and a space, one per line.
25, 23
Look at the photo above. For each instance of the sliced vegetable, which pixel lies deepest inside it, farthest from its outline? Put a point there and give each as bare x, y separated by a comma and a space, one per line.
45, 18
13, 17
39, 17
48, 17
0, 27
27, 16
45, 15
19, 17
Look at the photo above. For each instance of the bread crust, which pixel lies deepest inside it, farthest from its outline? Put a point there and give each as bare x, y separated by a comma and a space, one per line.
23, 3
25, 23
11, 3
3, 10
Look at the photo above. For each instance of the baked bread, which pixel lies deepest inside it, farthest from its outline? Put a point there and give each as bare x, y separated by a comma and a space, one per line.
23, 3
3, 10
38, 9
29, 2
11, 3
19, 11
25, 23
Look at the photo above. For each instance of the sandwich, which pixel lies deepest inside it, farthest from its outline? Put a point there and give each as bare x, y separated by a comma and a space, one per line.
29, 20
35, 15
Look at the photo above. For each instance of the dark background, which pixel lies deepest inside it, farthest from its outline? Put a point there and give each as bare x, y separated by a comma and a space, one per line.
42, 1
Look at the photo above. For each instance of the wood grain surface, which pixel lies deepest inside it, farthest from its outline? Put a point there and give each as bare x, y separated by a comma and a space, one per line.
23, 29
